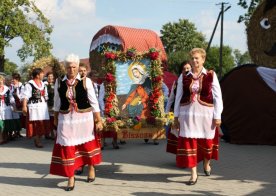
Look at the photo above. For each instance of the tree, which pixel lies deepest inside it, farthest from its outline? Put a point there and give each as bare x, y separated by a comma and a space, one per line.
212, 59
181, 36
250, 5
9, 67
240, 58
24, 72
178, 39
175, 59
22, 19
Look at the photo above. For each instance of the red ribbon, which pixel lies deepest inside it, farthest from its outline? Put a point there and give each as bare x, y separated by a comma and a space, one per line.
71, 97
193, 96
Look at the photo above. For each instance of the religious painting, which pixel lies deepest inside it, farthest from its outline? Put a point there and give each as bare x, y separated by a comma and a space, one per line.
134, 87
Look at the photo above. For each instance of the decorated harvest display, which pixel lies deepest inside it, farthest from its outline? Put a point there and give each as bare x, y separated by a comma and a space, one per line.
129, 62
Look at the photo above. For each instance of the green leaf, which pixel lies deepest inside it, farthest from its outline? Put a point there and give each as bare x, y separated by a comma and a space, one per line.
22, 19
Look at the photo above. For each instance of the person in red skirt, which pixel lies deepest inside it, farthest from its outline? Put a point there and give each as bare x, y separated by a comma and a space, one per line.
185, 67
198, 108
34, 106
76, 116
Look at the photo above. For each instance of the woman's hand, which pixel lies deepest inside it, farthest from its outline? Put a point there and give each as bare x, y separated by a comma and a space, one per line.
216, 122
24, 107
55, 122
56, 119
176, 125
99, 126
24, 110
124, 107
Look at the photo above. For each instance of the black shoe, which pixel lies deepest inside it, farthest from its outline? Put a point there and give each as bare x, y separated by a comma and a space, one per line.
207, 173
146, 140
190, 182
122, 142
155, 143
89, 180
115, 145
70, 188
79, 171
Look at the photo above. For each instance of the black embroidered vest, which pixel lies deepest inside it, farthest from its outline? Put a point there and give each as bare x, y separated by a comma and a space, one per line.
6, 98
80, 97
51, 92
18, 103
36, 95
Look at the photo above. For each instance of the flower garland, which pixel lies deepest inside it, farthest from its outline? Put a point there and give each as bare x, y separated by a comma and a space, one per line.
111, 101
155, 74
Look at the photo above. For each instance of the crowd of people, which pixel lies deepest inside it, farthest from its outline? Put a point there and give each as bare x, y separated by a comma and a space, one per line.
26, 106
69, 110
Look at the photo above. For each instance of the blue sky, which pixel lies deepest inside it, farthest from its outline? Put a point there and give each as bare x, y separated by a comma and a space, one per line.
76, 22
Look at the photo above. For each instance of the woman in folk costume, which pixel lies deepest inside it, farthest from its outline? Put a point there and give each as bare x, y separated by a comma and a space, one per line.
50, 83
6, 122
35, 107
75, 146
198, 108
172, 138
16, 89
185, 68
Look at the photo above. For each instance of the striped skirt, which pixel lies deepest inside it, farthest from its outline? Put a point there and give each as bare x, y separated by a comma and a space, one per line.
66, 159
171, 143
38, 127
190, 151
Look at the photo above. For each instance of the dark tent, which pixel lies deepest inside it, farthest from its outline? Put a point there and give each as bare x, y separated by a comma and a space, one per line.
249, 115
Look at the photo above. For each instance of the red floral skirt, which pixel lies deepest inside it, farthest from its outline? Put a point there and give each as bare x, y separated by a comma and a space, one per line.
66, 159
38, 127
191, 151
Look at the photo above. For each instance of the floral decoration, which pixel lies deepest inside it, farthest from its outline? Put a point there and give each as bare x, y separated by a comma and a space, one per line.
156, 99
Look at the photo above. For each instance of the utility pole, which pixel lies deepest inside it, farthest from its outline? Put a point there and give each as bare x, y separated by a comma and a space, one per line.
213, 33
221, 14
221, 37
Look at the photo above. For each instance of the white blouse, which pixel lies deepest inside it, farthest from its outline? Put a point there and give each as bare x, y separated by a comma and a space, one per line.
216, 92
37, 111
6, 111
19, 94
90, 93
27, 93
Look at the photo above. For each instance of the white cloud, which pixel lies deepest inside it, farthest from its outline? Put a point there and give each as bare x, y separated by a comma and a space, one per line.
74, 23
67, 10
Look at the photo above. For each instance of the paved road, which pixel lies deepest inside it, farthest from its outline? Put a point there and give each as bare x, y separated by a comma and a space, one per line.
139, 169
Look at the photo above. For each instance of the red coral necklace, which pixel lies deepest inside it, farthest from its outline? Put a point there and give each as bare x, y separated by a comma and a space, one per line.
38, 83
